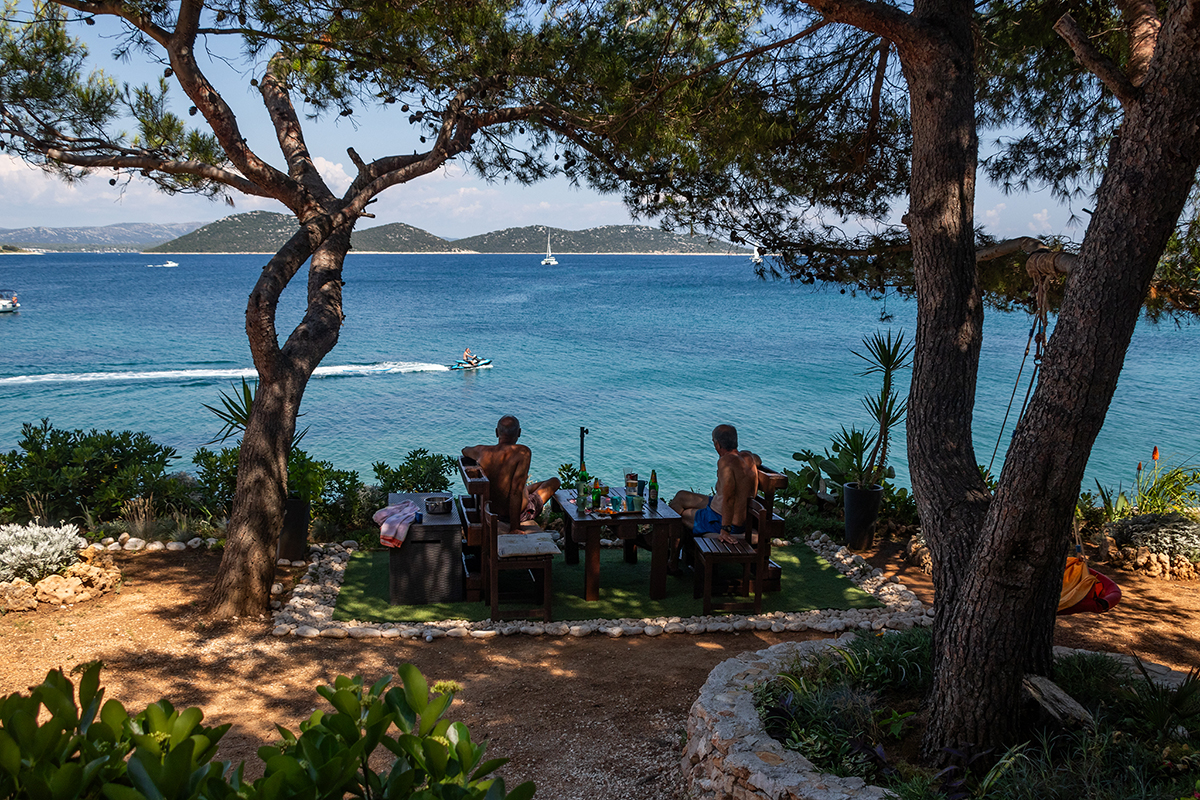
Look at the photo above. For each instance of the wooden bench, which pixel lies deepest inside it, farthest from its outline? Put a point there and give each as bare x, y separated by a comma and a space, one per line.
753, 552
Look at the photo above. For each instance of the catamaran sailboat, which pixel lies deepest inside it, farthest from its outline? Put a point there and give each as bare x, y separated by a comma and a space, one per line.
549, 260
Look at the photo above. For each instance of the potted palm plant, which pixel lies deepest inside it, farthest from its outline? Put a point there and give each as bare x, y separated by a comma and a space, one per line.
861, 498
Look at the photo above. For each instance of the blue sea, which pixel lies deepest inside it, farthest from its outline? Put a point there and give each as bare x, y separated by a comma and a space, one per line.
647, 352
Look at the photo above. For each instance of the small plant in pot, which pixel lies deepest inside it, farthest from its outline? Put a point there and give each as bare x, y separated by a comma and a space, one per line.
885, 356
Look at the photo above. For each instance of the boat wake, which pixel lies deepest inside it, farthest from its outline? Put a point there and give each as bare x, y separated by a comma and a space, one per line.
183, 375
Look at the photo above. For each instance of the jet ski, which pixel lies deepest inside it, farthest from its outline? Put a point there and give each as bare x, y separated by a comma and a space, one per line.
474, 363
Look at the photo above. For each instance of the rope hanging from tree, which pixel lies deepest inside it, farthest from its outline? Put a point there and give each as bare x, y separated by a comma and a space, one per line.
1083, 589
1042, 265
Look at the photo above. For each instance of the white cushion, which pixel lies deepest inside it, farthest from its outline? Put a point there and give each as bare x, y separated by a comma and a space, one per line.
519, 544
528, 526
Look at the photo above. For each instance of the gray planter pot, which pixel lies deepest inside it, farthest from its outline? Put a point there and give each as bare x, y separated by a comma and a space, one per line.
862, 510
293, 539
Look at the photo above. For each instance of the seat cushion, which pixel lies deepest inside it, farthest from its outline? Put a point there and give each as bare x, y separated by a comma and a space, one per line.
519, 544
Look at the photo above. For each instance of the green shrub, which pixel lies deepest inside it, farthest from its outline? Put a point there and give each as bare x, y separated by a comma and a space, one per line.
65, 474
32, 552
840, 707
421, 471
52, 746
216, 478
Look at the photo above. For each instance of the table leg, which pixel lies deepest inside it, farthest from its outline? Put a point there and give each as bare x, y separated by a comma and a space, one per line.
628, 533
591, 575
658, 561
570, 547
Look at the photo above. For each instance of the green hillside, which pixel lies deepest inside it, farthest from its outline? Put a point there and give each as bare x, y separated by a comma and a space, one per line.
252, 232
266, 232
605, 239
400, 238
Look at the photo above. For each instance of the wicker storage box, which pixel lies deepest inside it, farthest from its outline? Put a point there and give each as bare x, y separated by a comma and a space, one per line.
428, 567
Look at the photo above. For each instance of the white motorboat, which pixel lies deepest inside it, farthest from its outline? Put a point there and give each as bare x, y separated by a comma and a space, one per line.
549, 260
8, 301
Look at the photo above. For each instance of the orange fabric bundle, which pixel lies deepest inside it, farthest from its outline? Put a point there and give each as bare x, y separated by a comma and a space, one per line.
1078, 583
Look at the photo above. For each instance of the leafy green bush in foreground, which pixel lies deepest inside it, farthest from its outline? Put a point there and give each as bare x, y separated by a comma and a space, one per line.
95, 749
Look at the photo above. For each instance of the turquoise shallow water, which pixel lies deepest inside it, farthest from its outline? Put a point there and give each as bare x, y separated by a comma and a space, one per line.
647, 352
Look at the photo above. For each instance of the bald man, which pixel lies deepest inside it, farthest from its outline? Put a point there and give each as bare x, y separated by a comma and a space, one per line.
506, 465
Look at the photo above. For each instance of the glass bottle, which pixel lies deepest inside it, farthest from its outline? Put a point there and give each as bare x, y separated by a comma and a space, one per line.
596, 494
652, 490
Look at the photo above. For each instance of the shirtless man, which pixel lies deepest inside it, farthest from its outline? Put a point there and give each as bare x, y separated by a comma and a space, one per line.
506, 465
723, 515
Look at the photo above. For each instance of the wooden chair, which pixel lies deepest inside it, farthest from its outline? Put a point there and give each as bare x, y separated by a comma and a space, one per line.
529, 552
471, 509
753, 552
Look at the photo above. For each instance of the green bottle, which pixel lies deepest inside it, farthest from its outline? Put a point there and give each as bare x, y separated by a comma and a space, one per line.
652, 489
596, 495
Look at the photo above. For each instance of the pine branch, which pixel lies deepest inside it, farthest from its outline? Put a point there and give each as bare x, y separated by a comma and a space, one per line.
1096, 62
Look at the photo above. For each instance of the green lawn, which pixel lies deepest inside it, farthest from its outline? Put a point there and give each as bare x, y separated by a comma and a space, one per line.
808, 582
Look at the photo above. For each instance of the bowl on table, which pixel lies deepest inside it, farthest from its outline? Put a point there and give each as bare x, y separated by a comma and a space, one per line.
437, 505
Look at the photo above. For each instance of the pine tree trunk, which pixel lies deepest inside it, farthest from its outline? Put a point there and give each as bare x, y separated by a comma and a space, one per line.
951, 496
243, 584
999, 623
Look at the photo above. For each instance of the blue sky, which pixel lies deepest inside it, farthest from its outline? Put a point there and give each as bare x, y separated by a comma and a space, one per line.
451, 202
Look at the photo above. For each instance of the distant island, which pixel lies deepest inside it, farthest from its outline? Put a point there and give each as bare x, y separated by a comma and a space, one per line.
123, 237
266, 232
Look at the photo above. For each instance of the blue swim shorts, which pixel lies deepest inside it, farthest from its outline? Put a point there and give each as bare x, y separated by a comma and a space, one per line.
707, 521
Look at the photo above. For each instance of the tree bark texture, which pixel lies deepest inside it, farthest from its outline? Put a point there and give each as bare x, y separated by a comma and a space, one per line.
950, 493
1001, 622
243, 585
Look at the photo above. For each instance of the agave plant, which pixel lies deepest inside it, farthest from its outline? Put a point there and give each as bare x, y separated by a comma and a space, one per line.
885, 356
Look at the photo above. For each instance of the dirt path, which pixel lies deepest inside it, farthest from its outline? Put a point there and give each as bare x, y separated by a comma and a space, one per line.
583, 718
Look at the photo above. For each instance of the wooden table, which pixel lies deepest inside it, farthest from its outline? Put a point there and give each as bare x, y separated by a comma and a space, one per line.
585, 529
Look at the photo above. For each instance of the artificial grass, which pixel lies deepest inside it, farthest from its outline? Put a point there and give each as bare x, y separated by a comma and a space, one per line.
808, 582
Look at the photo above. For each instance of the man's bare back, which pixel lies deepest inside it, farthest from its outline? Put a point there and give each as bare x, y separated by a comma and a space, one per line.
723, 515
506, 465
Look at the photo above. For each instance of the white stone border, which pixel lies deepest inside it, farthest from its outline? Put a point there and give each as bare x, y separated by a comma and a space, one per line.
730, 754
308, 614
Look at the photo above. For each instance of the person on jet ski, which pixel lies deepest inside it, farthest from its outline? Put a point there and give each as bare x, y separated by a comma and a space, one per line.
470, 358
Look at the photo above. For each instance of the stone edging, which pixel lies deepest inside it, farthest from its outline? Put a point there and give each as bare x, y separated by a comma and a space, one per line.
308, 614
730, 754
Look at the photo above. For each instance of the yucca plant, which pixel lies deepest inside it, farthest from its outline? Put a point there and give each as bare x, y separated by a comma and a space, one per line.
885, 356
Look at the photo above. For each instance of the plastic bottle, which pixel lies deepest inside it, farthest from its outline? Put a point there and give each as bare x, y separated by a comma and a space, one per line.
652, 489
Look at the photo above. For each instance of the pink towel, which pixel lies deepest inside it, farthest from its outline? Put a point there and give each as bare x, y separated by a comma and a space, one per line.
393, 522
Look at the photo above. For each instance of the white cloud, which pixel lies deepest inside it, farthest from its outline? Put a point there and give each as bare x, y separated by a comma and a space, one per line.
30, 197
1041, 222
334, 174
992, 215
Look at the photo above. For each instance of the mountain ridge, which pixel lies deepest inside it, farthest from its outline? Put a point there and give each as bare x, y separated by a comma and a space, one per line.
267, 231
120, 236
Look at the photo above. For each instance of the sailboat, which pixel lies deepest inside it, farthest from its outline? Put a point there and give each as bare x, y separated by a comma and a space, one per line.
757, 258
549, 260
